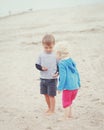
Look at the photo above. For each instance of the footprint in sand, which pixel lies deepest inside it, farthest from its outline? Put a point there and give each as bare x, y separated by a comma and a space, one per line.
59, 109
88, 81
83, 60
94, 100
26, 128
36, 117
49, 128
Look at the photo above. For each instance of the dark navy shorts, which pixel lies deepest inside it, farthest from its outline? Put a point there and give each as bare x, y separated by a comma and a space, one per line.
48, 86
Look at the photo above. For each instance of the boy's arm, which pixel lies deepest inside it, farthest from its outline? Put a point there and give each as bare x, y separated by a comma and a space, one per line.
41, 68
57, 69
56, 74
38, 63
62, 79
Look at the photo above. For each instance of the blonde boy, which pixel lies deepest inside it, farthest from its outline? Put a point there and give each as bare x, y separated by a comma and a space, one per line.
47, 64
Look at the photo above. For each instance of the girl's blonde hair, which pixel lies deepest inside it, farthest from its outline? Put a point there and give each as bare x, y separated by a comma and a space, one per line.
62, 48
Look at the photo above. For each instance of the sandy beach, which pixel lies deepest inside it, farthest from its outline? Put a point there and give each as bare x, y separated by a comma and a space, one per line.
21, 105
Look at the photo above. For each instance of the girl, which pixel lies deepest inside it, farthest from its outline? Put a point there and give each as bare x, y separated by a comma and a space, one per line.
69, 80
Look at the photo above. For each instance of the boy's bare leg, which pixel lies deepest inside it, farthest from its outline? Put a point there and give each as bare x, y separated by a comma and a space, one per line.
52, 105
48, 102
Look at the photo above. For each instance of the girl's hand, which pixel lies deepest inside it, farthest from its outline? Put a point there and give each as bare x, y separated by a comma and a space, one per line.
59, 92
44, 68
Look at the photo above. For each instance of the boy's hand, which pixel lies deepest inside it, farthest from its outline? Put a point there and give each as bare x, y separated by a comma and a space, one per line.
59, 92
44, 68
55, 75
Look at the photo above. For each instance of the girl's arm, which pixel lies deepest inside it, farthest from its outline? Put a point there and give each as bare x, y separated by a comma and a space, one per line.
79, 82
62, 74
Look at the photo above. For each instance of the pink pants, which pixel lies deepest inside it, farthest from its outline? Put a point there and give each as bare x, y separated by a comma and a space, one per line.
68, 96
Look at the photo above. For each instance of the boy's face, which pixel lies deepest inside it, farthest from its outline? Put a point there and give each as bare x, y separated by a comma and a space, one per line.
48, 48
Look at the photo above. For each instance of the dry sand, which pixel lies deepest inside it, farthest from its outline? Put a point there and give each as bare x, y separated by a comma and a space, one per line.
21, 105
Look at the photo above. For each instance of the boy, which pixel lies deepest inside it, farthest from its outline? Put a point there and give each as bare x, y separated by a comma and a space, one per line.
47, 64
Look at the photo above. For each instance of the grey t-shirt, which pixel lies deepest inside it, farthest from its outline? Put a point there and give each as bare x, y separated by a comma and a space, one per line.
49, 61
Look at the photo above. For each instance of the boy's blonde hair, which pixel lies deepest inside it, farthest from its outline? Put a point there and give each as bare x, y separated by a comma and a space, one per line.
48, 39
62, 48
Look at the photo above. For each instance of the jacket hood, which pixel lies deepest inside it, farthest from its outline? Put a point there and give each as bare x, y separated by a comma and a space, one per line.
70, 63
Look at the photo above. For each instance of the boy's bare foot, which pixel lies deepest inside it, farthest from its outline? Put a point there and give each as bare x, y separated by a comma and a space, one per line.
49, 113
68, 118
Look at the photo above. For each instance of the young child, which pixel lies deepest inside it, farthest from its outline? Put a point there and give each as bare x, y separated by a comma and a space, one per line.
47, 64
69, 80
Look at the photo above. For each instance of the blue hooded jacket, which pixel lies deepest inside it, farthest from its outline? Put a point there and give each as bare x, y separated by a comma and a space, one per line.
69, 77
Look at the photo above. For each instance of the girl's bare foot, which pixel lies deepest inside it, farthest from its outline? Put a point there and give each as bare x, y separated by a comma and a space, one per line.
65, 118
